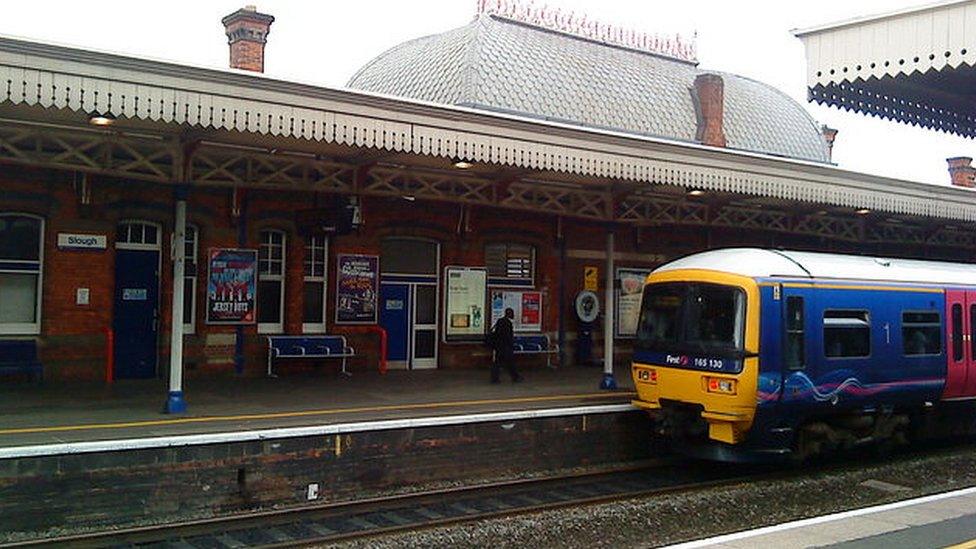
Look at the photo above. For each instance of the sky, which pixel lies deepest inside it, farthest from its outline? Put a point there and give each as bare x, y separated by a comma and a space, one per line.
325, 41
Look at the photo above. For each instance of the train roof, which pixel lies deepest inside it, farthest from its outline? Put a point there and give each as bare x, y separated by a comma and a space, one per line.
767, 263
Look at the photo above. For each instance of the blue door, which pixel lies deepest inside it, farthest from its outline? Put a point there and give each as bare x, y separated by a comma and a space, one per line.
136, 313
395, 319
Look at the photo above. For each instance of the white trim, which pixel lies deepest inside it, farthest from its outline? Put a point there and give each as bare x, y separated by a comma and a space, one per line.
272, 328
29, 328
748, 534
190, 285
891, 44
317, 327
225, 437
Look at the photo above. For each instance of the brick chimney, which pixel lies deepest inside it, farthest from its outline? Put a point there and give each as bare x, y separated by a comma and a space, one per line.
710, 95
247, 33
829, 135
961, 171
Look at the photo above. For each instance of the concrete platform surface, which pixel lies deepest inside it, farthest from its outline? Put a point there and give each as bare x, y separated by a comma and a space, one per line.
941, 520
32, 414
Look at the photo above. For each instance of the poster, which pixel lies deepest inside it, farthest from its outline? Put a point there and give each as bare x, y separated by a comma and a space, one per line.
465, 307
527, 306
357, 288
232, 286
630, 289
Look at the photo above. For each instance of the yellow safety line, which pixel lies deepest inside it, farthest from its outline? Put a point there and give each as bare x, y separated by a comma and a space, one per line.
306, 413
964, 545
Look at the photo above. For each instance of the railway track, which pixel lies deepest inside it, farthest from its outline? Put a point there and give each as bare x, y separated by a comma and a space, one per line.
345, 521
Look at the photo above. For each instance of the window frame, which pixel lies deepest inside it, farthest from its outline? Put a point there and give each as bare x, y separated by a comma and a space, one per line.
789, 330
939, 325
28, 328
273, 327
512, 281
867, 321
128, 245
323, 279
190, 280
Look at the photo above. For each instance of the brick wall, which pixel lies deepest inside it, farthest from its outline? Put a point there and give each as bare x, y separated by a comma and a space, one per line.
73, 336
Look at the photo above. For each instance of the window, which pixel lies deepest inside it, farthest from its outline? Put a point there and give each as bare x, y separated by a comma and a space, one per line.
957, 335
847, 334
191, 244
972, 329
794, 353
313, 315
409, 256
21, 267
271, 282
921, 333
513, 262
692, 318
138, 234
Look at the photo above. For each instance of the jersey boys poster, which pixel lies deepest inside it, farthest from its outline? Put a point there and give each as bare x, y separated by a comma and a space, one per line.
232, 286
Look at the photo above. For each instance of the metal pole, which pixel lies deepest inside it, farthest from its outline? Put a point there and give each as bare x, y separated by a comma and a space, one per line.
609, 383
175, 403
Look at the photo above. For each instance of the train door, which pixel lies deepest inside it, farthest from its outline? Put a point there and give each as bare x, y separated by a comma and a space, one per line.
970, 344
796, 346
960, 314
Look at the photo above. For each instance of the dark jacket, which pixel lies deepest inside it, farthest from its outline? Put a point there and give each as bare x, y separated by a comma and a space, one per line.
503, 338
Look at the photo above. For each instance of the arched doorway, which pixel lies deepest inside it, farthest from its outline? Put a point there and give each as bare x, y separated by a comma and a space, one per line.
408, 301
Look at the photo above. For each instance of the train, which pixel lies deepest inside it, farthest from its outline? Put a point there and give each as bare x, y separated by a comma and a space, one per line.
752, 354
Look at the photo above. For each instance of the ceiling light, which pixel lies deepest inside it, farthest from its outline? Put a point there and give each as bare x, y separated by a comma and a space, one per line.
463, 164
821, 212
863, 211
696, 192
409, 197
99, 119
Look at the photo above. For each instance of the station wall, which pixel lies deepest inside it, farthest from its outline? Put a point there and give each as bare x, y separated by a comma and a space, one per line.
72, 338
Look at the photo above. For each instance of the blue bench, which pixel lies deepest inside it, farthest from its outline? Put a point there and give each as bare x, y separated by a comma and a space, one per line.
19, 356
536, 344
308, 346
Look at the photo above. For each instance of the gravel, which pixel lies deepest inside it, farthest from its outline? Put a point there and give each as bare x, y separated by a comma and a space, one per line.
660, 520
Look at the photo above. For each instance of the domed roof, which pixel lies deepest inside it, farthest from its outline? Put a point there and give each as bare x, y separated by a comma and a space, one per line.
505, 66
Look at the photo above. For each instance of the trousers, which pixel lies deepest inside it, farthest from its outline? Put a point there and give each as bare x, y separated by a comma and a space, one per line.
507, 362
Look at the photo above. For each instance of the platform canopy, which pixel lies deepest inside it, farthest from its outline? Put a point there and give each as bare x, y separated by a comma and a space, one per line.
914, 65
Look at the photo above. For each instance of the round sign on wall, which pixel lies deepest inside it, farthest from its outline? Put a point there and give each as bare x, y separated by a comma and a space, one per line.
587, 306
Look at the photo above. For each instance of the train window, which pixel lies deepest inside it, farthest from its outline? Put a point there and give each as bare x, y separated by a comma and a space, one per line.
921, 333
794, 353
847, 334
957, 345
972, 328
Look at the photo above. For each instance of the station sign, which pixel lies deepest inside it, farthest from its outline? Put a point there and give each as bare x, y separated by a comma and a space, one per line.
73, 241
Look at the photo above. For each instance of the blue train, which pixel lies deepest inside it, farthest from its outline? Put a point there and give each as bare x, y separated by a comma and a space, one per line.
745, 354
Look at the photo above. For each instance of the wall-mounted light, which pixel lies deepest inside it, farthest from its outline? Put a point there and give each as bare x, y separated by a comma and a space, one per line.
462, 164
100, 119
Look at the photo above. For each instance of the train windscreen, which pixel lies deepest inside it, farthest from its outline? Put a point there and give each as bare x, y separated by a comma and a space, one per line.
692, 318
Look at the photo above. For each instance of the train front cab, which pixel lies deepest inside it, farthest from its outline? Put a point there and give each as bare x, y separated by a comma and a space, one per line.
697, 352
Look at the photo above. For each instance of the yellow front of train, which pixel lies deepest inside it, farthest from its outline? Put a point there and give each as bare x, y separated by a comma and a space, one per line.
696, 357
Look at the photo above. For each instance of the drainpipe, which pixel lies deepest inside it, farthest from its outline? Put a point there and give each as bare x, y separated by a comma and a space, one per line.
561, 239
175, 403
609, 383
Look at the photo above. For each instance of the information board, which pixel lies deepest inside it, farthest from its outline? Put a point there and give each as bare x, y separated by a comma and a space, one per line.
232, 286
630, 289
527, 305
357, 288
465, 317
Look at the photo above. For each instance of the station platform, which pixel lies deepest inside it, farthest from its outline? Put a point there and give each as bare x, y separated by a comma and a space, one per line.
941, 520
32, 414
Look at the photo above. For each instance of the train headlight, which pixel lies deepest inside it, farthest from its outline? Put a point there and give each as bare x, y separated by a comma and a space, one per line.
720, 385
647, 375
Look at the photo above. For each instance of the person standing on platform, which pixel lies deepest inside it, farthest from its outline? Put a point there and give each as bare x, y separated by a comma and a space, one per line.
503, 342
